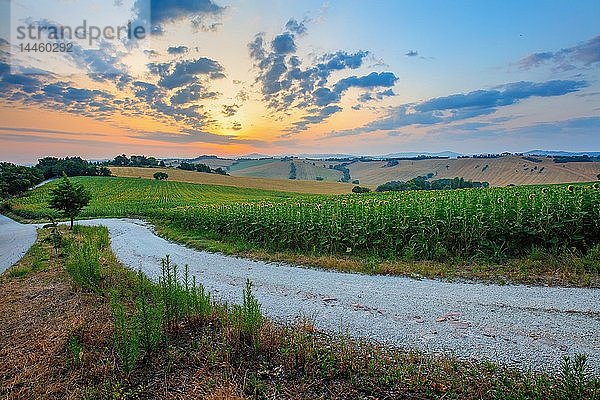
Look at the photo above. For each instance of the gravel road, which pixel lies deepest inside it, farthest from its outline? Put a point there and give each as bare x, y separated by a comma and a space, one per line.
15, 240
512, 324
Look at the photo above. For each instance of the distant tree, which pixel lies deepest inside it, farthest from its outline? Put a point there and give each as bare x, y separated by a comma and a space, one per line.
203, 168
186, 166
598, 176
161, 176
103, 171
121, 160
360, 189
69, 198
15, 179
355, 182
319, 178
161, 164
220, 171
292, 174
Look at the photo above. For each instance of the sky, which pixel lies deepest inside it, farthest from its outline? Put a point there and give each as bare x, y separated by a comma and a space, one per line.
279, 77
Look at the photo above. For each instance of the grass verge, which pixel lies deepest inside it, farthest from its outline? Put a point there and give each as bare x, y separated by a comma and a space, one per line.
82, 326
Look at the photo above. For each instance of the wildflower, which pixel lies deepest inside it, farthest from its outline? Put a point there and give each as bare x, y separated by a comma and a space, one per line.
348, 250
596, 186
570, 188
531, 196
544, 190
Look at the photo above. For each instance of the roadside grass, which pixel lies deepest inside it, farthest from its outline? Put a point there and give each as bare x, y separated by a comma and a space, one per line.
561, 267
118, 335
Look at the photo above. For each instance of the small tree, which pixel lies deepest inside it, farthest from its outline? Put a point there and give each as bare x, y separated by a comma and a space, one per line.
69, 198
161, 176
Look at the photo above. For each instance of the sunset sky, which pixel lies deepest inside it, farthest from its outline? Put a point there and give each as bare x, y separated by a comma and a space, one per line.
280, 77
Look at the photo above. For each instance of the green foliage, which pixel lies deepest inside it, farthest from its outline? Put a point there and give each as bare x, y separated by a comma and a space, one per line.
135, 161
161, 176
16, 179
345, 171
252, 318
83, 259
126, 335
52, 167
575, 378
470, 223
75, 349
293, 171
186, 166
423, 183
69, 198
203, 168
360, 189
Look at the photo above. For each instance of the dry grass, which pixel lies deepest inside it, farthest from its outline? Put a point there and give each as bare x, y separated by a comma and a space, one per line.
283, 185
39, 312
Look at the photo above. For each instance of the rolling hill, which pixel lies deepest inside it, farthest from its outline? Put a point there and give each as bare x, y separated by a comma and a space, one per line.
284, 185
499, 171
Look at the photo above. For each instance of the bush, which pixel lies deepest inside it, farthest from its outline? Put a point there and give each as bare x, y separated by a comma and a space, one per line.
360, 189
161, 176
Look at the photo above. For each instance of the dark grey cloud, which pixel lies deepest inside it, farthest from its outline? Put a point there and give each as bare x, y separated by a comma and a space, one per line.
296, 27
192, 93
583, 54
505, 95
316, 117
170, 10
374, 79
284, 44
459, 107
370, 96
175, 50
285, 83
177, 74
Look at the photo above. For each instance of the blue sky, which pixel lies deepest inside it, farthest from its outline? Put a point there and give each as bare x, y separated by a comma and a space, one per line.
361, 77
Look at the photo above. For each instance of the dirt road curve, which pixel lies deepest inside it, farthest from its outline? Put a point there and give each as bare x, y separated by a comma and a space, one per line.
518, 325
531, 327
15, 240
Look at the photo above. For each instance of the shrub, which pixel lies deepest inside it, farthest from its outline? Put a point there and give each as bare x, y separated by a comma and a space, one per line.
360, 189
161, 176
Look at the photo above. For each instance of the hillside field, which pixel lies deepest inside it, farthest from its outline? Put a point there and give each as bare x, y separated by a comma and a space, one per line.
249, 182
500, 171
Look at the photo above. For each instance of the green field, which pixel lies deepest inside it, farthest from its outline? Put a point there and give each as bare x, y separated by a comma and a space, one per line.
493, 224
122, 197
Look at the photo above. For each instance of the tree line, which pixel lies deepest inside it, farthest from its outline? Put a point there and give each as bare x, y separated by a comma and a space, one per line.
423, 183
186, 166
16, 179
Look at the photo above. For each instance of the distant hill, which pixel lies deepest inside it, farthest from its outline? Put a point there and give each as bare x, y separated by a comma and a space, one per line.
562, 153
498, 171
